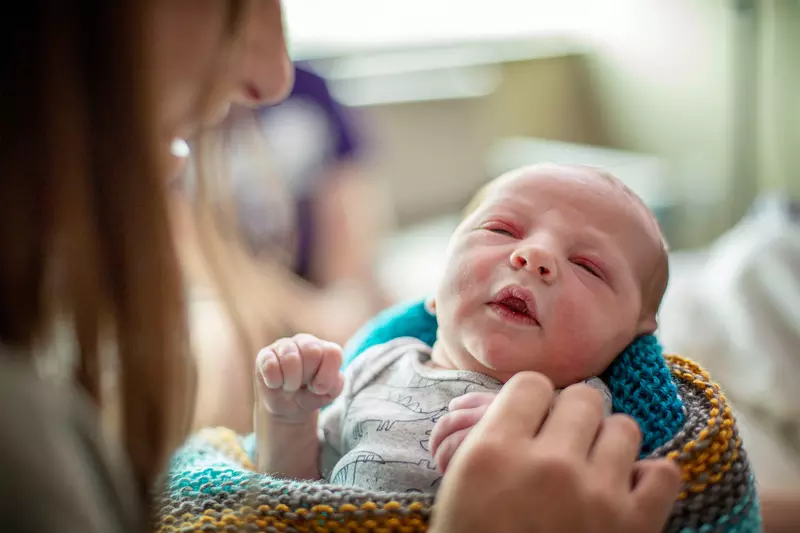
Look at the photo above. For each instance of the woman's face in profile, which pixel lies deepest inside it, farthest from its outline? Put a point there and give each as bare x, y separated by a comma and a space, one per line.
208, 54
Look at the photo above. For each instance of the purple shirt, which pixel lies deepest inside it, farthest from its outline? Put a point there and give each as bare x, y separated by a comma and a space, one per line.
307, 133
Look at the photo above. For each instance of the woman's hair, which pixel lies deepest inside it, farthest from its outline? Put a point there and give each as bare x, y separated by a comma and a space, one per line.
85, 237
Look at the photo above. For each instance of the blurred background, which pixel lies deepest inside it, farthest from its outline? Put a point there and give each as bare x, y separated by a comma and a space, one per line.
402, 109
693, 103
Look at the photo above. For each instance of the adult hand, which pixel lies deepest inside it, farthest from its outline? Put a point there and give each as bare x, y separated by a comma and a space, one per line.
522, 470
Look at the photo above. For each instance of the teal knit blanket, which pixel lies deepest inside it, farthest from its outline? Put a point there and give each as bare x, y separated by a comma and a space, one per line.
212, 485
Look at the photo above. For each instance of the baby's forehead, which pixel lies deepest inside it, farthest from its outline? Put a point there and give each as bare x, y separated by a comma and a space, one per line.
594, 197
556, 185
596, 202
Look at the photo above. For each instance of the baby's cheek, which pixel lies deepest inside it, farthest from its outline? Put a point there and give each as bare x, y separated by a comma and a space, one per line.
593, 355
573, 364
473, 273
581, 338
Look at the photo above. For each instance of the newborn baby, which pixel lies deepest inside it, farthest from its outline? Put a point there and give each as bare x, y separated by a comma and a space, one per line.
554, 269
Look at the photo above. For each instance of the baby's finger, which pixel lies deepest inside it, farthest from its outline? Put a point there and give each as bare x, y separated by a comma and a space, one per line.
338, 386
447, 449
327, 379
269, 368
471, 399
291, 365
311, 350
453, 422
519, 409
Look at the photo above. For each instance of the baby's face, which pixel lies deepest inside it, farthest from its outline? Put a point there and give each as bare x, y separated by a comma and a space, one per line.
546, 275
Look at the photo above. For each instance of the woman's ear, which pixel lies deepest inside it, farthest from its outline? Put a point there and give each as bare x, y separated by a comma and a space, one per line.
430, 305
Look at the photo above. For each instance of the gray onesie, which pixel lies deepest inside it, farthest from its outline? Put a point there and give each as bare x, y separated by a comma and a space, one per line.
375, 435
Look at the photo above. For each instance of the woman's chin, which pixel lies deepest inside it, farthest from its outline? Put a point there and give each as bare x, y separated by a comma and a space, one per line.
218, 115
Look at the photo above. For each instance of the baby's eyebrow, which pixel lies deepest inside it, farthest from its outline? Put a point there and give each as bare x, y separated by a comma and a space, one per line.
604, 247
590, 237
510, 206
501, 213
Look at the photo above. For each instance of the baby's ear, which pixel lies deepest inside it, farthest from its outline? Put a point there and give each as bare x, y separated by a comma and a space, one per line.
648, 324
430, 305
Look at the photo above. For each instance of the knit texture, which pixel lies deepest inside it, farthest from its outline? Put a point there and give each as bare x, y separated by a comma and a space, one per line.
212, 485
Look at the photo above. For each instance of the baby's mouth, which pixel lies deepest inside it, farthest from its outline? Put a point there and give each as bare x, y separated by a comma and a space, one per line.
516, 303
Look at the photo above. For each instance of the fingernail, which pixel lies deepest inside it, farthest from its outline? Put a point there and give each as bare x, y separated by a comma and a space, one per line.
286, 350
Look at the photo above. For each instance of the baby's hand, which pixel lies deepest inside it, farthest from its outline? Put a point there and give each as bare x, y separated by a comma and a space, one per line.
451, 430
299, 376
467, 410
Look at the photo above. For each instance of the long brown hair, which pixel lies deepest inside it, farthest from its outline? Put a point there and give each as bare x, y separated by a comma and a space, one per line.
85, 238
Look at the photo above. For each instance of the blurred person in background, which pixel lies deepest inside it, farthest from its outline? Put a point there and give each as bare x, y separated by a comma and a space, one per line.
312, 218
338, 214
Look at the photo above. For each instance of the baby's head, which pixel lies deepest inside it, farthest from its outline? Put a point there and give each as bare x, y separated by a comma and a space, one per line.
555, 269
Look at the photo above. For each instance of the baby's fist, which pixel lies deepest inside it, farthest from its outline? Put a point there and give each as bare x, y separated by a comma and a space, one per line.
298, 376
451, 430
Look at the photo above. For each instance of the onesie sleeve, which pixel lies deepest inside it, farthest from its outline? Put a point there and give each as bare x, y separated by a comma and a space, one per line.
359, 373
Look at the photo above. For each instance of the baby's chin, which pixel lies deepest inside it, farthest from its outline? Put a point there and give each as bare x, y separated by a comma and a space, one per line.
504, 364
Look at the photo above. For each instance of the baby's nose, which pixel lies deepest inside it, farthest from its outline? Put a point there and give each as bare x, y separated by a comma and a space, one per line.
536, 260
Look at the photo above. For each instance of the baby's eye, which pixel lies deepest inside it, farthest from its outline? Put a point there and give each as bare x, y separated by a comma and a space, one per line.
501, 231
500, 228
588, 267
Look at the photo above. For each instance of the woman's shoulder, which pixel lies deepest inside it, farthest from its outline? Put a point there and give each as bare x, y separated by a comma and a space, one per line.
58, 473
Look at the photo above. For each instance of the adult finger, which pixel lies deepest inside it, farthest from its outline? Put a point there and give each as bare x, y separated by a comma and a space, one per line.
616, 450
519, 408
656, 487
575, 420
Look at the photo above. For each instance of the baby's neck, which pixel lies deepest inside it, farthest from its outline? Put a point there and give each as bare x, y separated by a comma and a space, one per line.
440, 358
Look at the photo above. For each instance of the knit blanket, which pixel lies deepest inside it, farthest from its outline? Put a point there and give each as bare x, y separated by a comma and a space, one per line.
212, 485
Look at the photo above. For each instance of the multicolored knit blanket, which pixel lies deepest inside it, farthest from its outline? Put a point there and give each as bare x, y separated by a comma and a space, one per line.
212, 485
